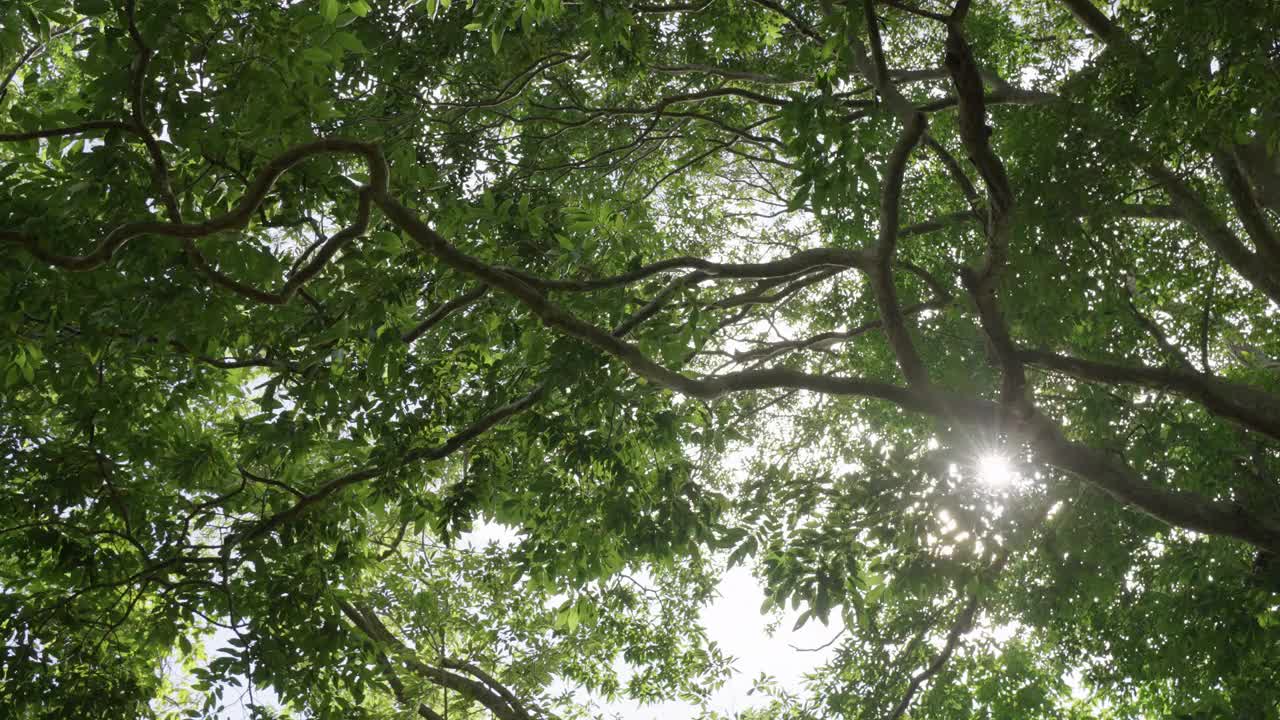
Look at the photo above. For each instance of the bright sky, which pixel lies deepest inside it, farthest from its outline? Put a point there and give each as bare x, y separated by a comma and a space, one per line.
734, 622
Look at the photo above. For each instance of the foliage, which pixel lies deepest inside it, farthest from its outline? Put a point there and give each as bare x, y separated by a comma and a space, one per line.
299, 296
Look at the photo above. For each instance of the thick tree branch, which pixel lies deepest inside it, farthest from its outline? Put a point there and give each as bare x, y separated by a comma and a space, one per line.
881, 273
1099, 24
981, 283
1216, 233
492, 682
1176, 507
1244, 405
1248, 209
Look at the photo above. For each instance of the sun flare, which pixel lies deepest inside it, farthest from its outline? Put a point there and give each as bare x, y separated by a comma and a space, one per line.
995, 470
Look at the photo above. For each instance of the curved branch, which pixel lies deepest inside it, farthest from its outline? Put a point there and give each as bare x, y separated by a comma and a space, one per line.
138, 83
727, 73
828, 340
237, 217
443, 311
803, 27
438, 452
907, 8
33, 51
517, 84
293, 284
962, 625
1176, 507
881, 275
799, 262
650, 9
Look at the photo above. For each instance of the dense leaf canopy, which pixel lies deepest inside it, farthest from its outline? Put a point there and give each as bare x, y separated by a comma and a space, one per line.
956, 323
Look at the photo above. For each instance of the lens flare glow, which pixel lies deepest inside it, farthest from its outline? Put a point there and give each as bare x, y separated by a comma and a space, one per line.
995, 470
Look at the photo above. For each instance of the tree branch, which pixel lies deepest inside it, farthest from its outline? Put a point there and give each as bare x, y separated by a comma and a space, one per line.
1247, 209
293, 284
438, 452
1245, 405
981, 283
881, 273
237, 217
1216, 233
443, 311
138, 82
503, 705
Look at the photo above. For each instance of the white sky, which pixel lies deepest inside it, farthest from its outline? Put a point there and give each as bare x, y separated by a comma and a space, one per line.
734, 622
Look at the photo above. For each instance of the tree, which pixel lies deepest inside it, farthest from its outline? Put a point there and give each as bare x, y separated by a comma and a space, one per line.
297, 293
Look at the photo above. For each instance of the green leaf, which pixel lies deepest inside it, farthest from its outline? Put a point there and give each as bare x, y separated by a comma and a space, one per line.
349, 42
329, 10
800, 621
316, 55
92, 8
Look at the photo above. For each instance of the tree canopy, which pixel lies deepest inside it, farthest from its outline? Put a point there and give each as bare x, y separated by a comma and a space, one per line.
954, 321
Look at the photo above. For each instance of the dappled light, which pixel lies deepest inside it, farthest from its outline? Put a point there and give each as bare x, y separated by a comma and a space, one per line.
699, 359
